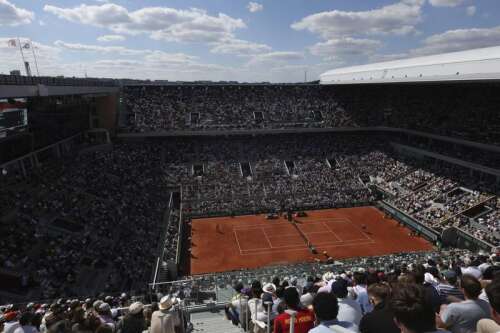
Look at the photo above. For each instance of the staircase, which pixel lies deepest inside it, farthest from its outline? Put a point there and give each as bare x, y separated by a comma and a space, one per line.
213, 322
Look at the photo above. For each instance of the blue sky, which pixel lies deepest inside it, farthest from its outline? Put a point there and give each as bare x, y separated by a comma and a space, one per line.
260, 40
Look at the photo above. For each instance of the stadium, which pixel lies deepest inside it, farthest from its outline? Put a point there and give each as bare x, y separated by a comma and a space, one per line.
360, 200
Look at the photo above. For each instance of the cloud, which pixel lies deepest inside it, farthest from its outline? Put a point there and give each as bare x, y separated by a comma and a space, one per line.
345, 48
446, 3
239, 47
160, 57
161, 23
275, 58
254, 7
399, 19
471, 10
450, 41
110, 38
459, 40
10, 15
120, 50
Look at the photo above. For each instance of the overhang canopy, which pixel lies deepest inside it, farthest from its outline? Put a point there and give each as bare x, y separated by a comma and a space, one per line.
470, 65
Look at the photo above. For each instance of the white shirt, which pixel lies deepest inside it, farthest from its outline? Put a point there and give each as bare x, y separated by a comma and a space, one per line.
252, 306
362, 298
11, 326
349, 310
26, 329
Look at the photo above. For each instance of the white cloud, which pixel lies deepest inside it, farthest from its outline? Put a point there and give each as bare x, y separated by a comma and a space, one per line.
458, 40
450, 41
254, 7
161, 23
160, 57
239, 47
275, 58
110, 38
399, 18
471, 10
99, 49
345, 48
446, 3
13, 16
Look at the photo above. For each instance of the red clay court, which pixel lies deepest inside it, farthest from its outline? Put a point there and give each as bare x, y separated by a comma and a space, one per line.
250, 241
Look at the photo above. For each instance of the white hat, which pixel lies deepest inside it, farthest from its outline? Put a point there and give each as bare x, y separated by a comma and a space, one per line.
306, 299
328, 276
269, 288
429, 278
135, 307
472, 271
166, 302
104, 307
97, 304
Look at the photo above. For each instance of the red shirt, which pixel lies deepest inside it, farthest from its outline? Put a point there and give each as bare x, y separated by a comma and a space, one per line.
304, 321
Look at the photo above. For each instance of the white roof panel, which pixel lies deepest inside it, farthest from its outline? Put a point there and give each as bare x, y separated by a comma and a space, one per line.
477, 64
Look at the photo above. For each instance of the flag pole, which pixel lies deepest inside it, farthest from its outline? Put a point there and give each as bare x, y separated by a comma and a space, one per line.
22, 54
34, 56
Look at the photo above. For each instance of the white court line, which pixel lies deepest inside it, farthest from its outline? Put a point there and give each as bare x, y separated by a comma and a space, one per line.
276, 250
296, 247
305, 248
284, 235
267, 238
316, 221
361, 230
296, 233
237, 241
260, 225
331, 231
347, 241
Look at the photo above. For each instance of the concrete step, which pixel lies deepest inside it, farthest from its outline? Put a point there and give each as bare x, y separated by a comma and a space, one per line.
213, 322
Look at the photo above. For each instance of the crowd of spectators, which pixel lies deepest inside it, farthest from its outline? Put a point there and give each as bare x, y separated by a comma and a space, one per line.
450, 291
91, 215
85, 225
103, 314
466, 111
445, 292
224, 107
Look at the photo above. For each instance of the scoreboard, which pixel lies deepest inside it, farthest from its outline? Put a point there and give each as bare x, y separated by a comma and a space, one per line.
13, 119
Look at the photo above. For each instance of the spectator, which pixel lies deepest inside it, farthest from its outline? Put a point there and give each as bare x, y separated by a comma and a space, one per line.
237, 309
349, 309
326, 309
166, 319
361, 292
429, 288
26, 322
134, 321
104, 311
304, 318
11, 322
413, 312
492, 325
381, 319
462, 317
447, 288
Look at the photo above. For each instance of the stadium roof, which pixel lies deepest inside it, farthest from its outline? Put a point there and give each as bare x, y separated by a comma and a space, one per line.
470, 65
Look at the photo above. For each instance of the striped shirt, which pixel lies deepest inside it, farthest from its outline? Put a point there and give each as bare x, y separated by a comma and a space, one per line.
446, 290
